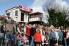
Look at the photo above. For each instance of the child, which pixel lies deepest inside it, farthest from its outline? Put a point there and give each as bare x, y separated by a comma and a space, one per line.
37, 38
20, 40
11, 37
43, 39
25, 39
7, 38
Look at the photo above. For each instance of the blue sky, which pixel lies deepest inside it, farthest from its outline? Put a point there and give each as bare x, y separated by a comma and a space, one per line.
6, 4
36, 4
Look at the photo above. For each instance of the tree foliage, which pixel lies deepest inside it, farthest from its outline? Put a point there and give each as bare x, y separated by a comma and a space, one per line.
57, 18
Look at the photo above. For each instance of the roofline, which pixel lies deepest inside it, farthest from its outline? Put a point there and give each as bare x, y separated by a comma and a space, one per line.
16, 7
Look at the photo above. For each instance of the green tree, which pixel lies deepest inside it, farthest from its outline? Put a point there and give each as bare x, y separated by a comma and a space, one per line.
57, 18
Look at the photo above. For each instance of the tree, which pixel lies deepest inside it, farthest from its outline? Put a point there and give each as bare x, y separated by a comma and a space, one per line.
57, 18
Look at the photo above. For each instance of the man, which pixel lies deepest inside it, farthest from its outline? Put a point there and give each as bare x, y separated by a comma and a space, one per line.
2, 30
32, 33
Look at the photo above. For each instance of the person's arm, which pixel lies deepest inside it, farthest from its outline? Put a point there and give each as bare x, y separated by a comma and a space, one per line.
18, 30
66, 35
5, 36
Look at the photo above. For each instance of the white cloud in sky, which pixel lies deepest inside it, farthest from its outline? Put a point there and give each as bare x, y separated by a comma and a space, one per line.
60, 4
37, 5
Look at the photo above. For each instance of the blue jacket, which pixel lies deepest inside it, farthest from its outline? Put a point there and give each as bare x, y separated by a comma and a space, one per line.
11, 37
53, 35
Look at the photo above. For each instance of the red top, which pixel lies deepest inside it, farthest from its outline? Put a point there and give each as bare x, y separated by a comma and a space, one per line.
37, 37
28, 31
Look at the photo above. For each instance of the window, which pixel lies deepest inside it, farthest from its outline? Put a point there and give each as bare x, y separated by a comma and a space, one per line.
8, 14
16, 13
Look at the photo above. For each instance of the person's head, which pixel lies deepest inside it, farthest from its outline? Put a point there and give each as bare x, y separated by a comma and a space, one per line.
19, 25
7, 32
20, 35
34, 25
26, 25
38, 31
11, 32
53, 30
22, 24
30, 25
17, 33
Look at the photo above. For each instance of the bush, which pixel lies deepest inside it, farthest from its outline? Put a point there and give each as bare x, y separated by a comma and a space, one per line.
2, 21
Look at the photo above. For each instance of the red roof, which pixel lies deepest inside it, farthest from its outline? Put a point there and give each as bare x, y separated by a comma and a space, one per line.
22, 8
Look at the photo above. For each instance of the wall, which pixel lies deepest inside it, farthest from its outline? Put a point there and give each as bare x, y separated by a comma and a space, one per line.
18, 19
12, 14
26, 17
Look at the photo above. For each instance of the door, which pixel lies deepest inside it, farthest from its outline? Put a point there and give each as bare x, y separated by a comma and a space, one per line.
22, 16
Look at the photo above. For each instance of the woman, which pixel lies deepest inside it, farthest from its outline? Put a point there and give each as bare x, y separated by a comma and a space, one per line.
19, 29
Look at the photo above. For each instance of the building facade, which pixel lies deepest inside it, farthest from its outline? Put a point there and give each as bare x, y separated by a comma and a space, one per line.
23, 14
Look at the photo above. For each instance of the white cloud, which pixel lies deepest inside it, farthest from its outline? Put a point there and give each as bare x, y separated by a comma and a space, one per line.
37, 5
59, 4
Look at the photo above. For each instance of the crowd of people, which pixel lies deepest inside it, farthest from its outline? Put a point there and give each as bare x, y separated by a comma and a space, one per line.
16, 34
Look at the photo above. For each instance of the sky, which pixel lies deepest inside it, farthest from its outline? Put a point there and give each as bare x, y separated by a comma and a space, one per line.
36, 5
7, 4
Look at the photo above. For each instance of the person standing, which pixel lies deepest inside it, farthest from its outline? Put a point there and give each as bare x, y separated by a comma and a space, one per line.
60, 37
7, 38
52, 37
3, 30
11, 38
32, 33
67, 37
37, 38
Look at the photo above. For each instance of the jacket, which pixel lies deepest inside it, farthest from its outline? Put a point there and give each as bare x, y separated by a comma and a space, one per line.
28, 31
60, 36
11, 37
32, 31
37, 37
53, 35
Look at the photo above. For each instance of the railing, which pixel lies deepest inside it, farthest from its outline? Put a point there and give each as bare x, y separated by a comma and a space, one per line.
35, 19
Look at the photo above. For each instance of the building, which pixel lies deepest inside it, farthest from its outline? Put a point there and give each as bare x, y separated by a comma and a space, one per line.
36, 17
23, 14
19, 13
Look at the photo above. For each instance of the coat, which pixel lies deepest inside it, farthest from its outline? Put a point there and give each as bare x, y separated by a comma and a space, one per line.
37, 37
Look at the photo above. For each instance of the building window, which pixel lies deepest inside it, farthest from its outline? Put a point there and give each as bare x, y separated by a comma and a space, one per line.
8, 14
16, 13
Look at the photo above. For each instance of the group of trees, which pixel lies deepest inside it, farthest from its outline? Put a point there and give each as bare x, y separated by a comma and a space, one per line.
58, 15
57, 18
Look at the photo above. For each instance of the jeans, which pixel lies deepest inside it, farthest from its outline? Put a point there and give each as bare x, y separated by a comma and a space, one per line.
65, 42
6, 42
12, 44
32, 41
18, 43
